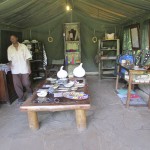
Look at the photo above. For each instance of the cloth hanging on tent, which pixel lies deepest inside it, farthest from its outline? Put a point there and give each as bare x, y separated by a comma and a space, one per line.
44, 58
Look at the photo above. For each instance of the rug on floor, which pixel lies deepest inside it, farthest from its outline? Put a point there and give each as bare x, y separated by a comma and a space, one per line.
135, 99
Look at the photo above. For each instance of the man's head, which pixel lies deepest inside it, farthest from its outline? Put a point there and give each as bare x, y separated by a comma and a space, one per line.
14, 39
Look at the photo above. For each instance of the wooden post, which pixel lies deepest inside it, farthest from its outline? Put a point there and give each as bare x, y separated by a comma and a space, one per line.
149, 102
80, 119
117, 79
33, 120
129, 89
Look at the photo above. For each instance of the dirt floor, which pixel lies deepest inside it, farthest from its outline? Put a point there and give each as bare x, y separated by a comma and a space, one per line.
111, 126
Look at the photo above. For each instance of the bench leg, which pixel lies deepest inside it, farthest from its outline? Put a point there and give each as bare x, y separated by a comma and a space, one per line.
33, 120
80, 119
149, 102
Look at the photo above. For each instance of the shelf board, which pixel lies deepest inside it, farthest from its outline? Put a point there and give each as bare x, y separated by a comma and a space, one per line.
72, 52
108, 49
108, 58
137, 82
109, 40
108, 72
108, 76
73, 64
72, 41
38, 78
38, 70
108, 68
38, 60
38, 52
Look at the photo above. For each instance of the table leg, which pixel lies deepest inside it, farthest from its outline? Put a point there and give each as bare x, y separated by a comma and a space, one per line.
33, 120
117, 82
132, 86
129, 90
99, 70
117, 79
80, 119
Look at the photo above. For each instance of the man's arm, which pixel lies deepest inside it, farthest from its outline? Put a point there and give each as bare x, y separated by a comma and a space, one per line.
28, 57
29, 66
9, 58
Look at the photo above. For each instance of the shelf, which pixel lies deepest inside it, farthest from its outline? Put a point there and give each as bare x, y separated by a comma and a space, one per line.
109, 40
108, 58
73, 41
108, 72
108, 76
38, 52
38, 60
72, 52
38, 70
73, 64
108, 68
108, 49
137, 82
72, 46
38, 78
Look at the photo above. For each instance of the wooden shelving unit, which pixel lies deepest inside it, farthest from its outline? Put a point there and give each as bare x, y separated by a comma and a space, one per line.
108, 51
37, 70
72, 46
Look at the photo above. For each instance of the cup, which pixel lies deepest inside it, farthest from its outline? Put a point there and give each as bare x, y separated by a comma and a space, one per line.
123, 62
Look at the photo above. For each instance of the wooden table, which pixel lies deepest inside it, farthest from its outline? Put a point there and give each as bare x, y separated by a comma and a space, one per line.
79, 107
131, 83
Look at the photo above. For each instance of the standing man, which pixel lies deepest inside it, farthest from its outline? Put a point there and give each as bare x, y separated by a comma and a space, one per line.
18, 57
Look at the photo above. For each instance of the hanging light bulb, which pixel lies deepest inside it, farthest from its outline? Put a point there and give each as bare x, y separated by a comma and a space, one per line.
67, 7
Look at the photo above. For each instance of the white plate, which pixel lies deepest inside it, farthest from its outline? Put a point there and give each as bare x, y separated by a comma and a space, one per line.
70, 84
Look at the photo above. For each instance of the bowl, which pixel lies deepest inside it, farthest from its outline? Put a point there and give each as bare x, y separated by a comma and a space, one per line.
42, 94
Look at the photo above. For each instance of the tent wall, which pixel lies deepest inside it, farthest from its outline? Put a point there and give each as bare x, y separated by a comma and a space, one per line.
5, 32
55, 50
